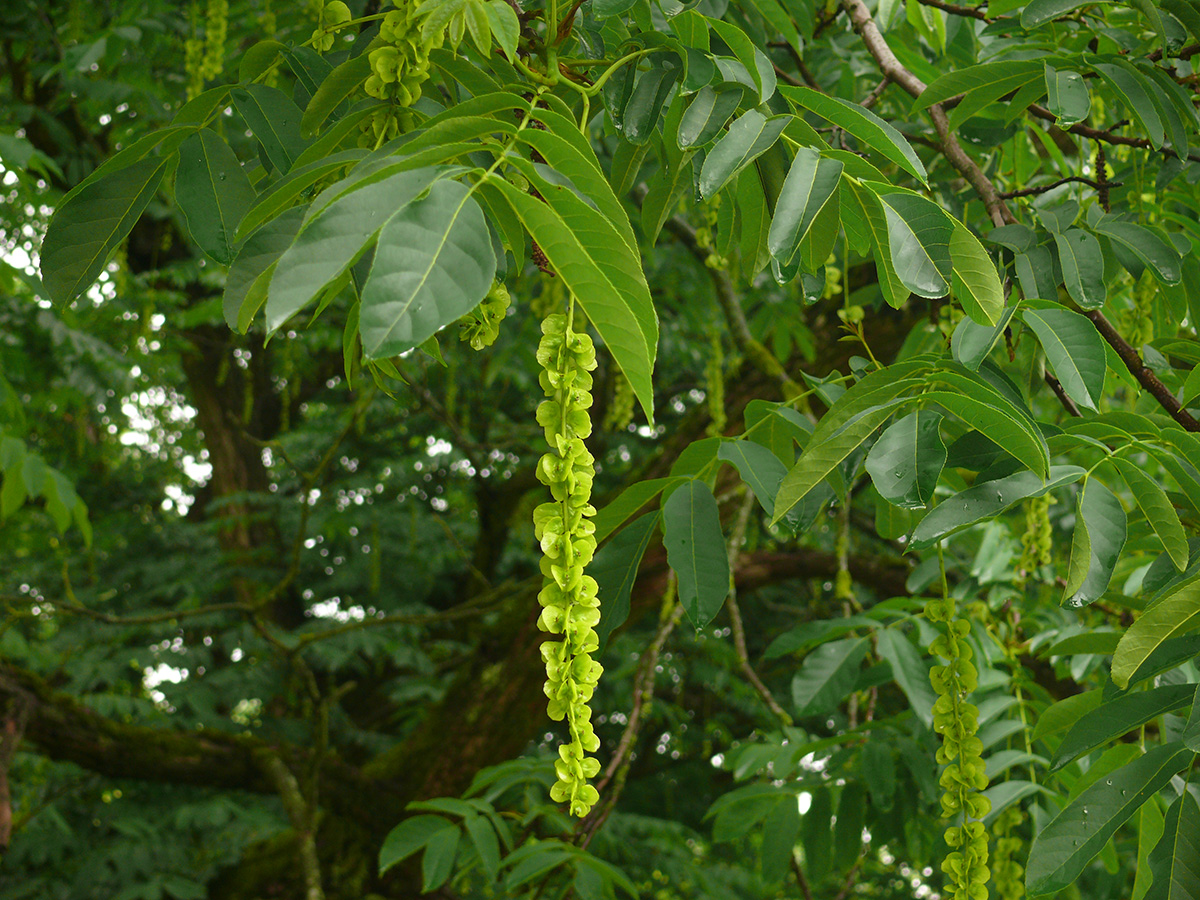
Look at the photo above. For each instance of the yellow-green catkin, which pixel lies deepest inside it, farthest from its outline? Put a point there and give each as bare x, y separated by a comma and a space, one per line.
216, 29
481, 326
620, 407
714, 386
570, 607
1036, 541
193, 54
961, 752
1008, 875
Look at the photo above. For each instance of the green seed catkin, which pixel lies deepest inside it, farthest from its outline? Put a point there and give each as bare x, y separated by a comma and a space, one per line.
564, 528
481, 326
620, 407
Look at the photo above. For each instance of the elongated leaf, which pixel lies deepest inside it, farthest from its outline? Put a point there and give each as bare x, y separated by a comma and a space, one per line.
615, 569
336, 87
1096, 544
1176, 614
628, 502
1158, 510
759, 67
820, 458
410, 836
906, 462
707, 114
828, 675
872, 131
334, 239
644, 108
1067, 96
1151, 249
275, 121
996, 76
1074, 350
433, 264
759, 468
997, 420
89, 225
975, 283
1175, 859
696, 550
1150, 825
895, 294
984, 501
1118, 717
811, 183
781, 830
246, 283
1191, 730
438, 861
214, 193
1062, 849
909, 671
596, 265
751, 135
971, 342
487, 845
919, 239
1082, 267
284, 192
1040, 11
1129, 84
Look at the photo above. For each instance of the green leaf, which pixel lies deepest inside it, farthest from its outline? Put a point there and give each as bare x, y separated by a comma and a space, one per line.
1066, 712
707, 114
410, 836
1157, 508
337, 86
828, 675
1175, 859
1082, 267
90, 225
615, 568
1130, 85
759, 468
596, 265
440, 850
1119, 717
1153, 250
334, 239
762, 73
975, 283
275, 121
751, 135
910, 672
1175, 614
816, 831
628, 502
1040, 11
696, 550
434, 263
851, 818
258, 59
213, 192
284, 192
1074, 350
1191, 730
781, 830
246, 283
906, 462
1150, 825
643, 111
506, 28
487, 845
987, 500
895, 294
919, 240
971, 342
872, 131
1096, 544
1062, 849
998, 420
811, 183
998, 78
1067, 96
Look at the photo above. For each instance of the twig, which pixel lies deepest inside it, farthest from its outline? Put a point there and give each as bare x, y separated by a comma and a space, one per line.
300, 815
800, 879
872, 98
1067, 402
1033, 191
971, 11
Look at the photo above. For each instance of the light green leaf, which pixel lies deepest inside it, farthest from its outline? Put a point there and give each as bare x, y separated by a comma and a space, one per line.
286, 190
1150, 825
433, 264
596, 265
90, 224
751, 135
275, 121
998, 78
919, 235
811, 183
828, 675
863, 124
1191, 730
506, 28
334, 239
895, 294
1176, 614
213, 192
1119, 717
909, 671
1062, 849
984, 501
1152, 249
1067, 96
971, 342
906, 462
246, 283
762, 73
258, 59
1063, 714
999, 420
1074, 350
696, 550
1082, 267
1175, 859
336, 87
975, 283
1157, 508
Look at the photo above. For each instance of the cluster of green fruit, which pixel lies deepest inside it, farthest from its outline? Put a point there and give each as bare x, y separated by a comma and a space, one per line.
1036, 541
481, 326
961, 752
569, 603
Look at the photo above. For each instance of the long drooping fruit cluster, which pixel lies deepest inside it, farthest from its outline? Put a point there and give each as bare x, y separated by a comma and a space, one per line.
961, 752
570, 606
620, 407
1008, 875
1036, 541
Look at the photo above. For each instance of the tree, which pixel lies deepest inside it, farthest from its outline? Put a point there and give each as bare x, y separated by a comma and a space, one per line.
374, 375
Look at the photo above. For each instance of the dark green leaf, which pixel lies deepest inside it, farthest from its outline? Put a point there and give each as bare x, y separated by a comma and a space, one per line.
615, 569
213, 192
910, 672
759, 468
1175, 859
707, 114
1152, 250
1157, 509
1067, 96
246, 283
275, 121
907, 460
408, 837
748, 137
811, 184
336, 87
1175, 614
1082, 267
1074, 351
828, 675
1119, 717
696, 550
